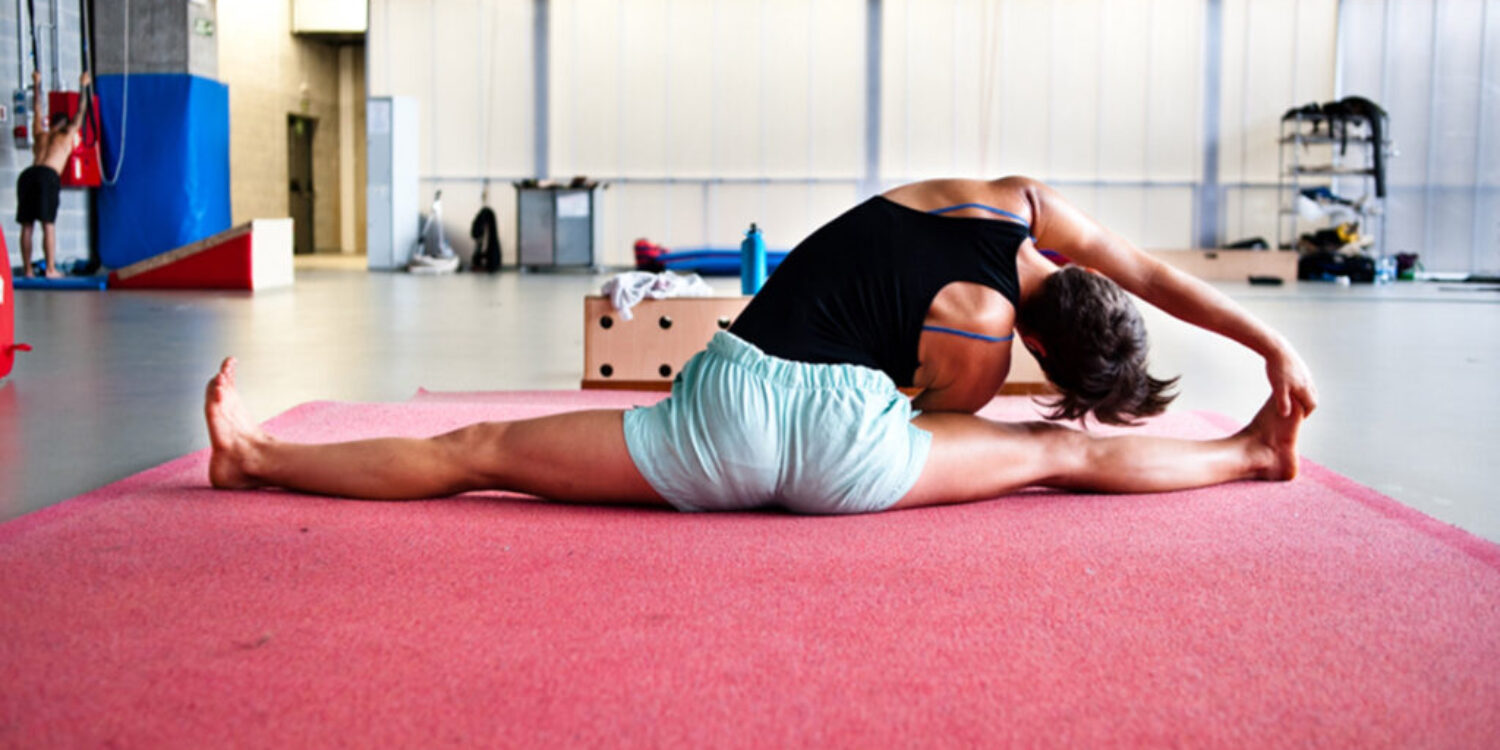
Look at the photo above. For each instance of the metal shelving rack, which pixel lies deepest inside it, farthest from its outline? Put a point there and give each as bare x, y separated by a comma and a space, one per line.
1347, 158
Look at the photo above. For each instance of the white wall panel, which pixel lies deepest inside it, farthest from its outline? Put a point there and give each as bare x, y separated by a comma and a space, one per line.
1078, 92
400, 60
837, 60
1074, 33
1125, 80
586, 110
736, 116
504, 83
686, 89
1020, 125
1277, 55
643, 50
1103, 96
330, 16
469, 64
1167, 218
1433, 65
1174, 107
687, 136
452, 105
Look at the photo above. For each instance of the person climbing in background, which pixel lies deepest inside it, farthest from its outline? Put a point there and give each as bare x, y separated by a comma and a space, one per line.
39, 188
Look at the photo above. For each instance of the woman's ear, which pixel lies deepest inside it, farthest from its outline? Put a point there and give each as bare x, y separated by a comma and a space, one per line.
1034, 345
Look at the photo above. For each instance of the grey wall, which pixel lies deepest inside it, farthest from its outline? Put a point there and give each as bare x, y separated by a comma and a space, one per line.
163, 38
72, 218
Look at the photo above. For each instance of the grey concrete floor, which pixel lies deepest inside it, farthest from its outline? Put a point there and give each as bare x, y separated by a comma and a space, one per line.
1408, 373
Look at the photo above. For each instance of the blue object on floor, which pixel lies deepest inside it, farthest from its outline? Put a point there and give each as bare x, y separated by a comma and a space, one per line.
67, 282
710, 261
173, 185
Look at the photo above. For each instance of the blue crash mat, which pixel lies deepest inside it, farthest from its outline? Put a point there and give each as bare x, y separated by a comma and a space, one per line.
714, 261
94, 283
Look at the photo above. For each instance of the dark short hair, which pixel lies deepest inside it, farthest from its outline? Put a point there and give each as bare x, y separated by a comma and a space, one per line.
60, 118
1095, 344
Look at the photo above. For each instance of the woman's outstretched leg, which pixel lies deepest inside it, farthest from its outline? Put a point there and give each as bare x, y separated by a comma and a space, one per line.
976, 459
574, 457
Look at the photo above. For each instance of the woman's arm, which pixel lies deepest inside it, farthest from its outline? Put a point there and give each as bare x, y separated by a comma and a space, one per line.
1058, 225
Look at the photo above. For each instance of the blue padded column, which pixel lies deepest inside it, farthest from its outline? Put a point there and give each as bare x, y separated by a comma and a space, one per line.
173, 185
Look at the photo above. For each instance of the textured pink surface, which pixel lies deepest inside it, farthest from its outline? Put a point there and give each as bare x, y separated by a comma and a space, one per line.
157, 613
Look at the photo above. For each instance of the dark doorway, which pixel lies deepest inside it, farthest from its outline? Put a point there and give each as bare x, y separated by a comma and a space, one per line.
299, 169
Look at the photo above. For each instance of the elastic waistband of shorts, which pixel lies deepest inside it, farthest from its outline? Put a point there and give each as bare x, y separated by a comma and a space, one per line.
730, 347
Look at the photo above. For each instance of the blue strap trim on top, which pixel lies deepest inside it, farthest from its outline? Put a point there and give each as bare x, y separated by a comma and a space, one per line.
968, 335
981, 206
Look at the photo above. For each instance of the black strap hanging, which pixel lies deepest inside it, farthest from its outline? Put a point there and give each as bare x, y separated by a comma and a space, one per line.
36, 64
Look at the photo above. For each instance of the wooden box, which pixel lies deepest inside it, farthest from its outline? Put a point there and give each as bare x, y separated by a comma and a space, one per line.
646, 352
1231, 265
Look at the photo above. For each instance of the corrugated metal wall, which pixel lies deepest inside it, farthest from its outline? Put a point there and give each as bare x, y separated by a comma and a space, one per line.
1434, 65
709, 114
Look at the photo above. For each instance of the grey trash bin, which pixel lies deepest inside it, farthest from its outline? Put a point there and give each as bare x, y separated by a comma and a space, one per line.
555, 225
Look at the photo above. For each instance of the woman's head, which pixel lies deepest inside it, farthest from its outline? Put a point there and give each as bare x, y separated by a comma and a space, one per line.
1092, 346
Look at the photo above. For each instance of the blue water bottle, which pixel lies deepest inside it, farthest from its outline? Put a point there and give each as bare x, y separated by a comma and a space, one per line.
752, 262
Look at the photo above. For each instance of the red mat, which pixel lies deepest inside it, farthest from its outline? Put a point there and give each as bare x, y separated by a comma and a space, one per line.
157, 613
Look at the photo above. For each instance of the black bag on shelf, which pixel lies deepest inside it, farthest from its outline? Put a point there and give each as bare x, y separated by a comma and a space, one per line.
1325, 265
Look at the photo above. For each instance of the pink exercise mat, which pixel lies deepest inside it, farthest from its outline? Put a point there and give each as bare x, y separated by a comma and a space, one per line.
158, 613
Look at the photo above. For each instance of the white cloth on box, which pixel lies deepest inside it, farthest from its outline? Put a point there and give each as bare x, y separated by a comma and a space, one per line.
626, 290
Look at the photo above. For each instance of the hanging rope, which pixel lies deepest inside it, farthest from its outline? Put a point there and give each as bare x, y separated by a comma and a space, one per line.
124, 96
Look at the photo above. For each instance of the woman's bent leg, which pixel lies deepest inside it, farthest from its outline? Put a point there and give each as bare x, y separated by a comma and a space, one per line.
976, 459
574, 457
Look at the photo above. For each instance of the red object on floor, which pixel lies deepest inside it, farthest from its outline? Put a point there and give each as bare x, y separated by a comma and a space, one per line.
8, 345
253, 255
156, 612
223, 265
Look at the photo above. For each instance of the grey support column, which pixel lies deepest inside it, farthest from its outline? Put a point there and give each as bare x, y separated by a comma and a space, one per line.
166, 36
869, 184
1209, 193
541, 52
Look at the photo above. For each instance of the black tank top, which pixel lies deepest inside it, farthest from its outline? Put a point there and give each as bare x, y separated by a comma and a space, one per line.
857, 290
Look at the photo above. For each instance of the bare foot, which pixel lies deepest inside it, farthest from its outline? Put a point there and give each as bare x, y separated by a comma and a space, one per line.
1274, 442
235, 437
53, 273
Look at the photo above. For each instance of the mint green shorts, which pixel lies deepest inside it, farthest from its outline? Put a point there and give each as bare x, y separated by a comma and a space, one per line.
743, 429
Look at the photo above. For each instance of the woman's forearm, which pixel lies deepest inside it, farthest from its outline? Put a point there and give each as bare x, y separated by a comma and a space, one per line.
1195, 301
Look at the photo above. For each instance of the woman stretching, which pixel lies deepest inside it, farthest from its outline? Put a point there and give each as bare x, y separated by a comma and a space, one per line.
797, 405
